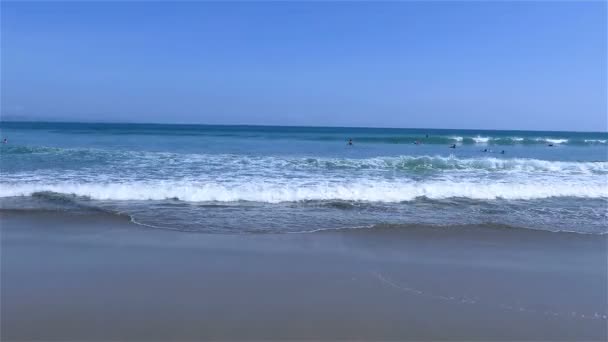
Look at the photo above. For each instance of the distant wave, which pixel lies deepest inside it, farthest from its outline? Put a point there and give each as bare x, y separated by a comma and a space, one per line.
166, 160
386, 139
453, 163
596, 141
471, 140
552, 141
481, 140
270, 191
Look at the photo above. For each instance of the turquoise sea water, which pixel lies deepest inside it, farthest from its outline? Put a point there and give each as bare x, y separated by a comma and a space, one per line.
243, 179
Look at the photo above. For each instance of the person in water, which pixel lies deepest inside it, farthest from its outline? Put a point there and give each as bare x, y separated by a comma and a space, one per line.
502, 152
485, 150
350, 142
453, 146
5, 141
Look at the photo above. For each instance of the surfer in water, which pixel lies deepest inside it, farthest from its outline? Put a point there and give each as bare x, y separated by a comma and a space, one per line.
502, 152
350, 142
453, 146
5, 141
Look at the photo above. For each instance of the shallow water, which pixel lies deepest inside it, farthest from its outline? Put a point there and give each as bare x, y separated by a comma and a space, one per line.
244, 179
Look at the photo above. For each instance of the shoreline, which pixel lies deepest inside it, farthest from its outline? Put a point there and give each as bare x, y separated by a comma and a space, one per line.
92, 277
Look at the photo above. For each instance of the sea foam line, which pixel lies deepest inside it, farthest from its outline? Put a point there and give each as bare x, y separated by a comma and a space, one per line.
177, 162
270, 191
476, 300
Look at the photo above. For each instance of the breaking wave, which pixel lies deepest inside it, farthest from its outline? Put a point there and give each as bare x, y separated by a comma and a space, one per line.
279, 191
168, 160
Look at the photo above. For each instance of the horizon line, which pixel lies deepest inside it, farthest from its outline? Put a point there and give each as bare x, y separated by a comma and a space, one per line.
59, 121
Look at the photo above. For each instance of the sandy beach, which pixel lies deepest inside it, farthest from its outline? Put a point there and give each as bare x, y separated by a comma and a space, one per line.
303, 171
100, 277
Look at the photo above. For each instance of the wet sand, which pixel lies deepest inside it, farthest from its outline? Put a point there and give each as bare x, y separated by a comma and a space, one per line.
100, 277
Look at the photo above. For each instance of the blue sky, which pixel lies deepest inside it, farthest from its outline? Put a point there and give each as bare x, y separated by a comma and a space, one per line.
507, 65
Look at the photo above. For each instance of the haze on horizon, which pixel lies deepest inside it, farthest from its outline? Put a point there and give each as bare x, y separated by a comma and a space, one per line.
477, 65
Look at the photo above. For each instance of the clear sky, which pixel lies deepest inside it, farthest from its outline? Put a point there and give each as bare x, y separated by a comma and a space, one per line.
507, 65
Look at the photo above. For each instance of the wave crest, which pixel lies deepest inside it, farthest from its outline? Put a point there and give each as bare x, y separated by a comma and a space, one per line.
276, 192
165, 160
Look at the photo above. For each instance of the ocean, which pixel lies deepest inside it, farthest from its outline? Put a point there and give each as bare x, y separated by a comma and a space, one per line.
269, 179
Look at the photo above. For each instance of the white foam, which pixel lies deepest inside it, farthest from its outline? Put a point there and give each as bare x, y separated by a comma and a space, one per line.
596, 141
481, 140
553, 141
229, 166
275, 191
209, 177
